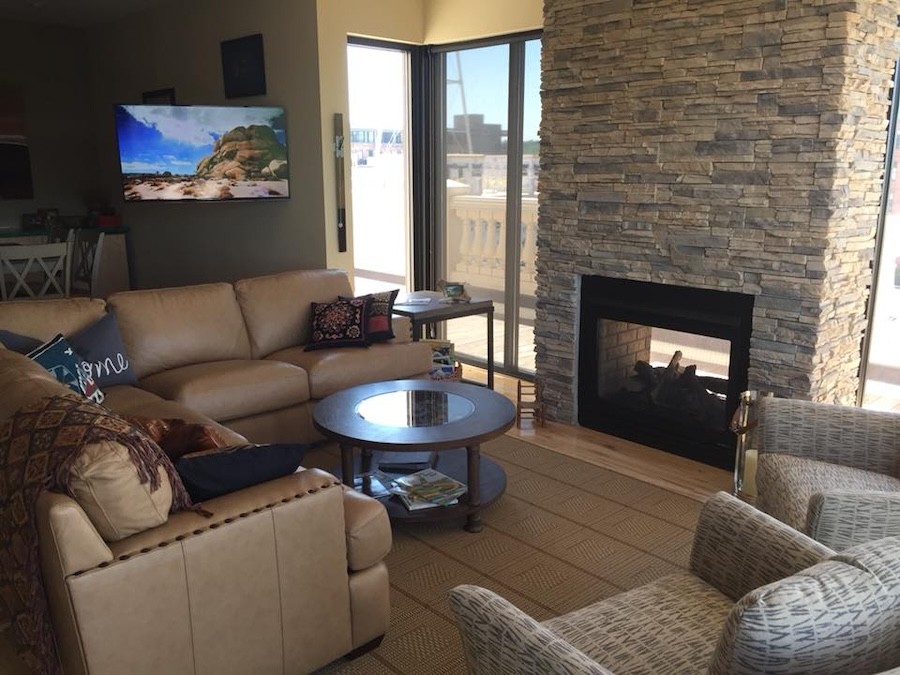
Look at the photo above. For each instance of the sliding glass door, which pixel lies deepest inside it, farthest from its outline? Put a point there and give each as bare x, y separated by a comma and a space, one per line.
379, 159
487, 114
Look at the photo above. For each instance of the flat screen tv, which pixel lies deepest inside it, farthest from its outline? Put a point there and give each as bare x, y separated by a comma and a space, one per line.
202, 152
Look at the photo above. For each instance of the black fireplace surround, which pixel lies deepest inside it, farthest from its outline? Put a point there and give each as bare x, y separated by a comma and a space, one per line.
712, 313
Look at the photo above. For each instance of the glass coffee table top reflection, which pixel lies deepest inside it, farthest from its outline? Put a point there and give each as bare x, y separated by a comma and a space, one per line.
415, 408
416, 415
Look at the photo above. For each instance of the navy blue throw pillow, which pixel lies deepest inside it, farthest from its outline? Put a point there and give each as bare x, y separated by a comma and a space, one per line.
218, 472
101, 347
19, 343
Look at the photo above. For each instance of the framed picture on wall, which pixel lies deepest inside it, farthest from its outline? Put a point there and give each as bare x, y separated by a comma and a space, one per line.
243, 66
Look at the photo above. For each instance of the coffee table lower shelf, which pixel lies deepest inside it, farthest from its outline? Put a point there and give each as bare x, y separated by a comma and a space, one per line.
453, 463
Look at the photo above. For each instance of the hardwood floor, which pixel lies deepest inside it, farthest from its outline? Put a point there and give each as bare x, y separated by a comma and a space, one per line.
663, 469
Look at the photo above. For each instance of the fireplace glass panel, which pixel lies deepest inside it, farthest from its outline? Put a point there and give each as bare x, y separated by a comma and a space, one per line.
672, 374
630, 332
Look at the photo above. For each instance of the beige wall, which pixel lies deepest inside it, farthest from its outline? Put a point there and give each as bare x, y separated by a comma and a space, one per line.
50, 63
179, 46
456, 20
394, 20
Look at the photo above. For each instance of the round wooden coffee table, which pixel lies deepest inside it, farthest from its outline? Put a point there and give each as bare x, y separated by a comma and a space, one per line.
414, 415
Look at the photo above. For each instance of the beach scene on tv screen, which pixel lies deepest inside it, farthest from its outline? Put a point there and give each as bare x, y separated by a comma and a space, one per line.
202, 152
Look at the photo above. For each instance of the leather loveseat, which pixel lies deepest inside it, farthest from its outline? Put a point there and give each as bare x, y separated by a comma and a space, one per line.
285, 576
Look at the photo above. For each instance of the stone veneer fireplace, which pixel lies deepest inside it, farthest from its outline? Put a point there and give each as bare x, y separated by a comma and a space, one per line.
729, 145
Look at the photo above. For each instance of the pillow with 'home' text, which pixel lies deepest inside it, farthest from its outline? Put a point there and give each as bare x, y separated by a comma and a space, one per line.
67, 366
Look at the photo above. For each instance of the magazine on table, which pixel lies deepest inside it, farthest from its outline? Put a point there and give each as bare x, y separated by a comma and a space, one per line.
423, 489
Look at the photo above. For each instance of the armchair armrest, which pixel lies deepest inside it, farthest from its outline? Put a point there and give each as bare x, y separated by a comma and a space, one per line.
843, 518
738, 548
864, 439
499, 638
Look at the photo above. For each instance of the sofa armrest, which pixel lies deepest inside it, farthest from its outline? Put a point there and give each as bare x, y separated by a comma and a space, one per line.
843, 518
69, 541
499, 638
402, 327
738, 548
368, 530
226, 509
864, 439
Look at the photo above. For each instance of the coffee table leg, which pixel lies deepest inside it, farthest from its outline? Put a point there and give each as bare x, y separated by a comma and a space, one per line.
473, 482
347, 465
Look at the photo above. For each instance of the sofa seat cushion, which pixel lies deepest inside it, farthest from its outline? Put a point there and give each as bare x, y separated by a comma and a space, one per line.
225, 390
332, 370
670, 625
785, 484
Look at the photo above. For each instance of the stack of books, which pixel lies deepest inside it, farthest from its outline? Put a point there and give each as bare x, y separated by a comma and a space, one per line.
424, 489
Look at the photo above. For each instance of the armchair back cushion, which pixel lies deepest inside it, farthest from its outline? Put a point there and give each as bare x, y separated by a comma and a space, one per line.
841, 616
171, 327
846, 435
278, 307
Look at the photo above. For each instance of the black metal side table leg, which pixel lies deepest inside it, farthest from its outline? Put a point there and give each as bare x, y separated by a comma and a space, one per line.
473, 483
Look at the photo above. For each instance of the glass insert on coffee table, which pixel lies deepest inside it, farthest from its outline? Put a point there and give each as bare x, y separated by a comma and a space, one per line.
450, 419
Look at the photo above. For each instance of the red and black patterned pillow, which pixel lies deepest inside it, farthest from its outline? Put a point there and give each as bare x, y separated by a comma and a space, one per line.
381, 307
339, 324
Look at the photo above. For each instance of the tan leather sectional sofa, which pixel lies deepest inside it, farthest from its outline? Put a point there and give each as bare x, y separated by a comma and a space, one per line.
286, 576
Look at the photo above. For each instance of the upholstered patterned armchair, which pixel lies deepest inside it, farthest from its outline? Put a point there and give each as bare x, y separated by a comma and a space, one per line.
830, 471
760, 597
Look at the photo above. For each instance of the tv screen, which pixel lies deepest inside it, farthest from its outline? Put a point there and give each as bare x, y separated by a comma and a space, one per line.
201, 152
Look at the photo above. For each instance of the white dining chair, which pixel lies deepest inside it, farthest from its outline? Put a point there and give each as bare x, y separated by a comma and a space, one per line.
35, 270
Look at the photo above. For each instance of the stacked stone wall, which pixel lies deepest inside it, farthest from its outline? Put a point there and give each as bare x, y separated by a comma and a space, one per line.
722, 144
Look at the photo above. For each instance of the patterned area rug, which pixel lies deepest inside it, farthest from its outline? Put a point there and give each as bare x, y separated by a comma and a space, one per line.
565, 534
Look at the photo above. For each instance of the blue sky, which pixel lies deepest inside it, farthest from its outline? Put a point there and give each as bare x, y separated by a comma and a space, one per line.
378, 86
154, 139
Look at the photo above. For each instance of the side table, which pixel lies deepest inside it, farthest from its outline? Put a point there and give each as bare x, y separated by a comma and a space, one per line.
435, 311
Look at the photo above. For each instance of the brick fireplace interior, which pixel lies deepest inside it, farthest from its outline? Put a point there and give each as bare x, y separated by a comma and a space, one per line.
723, 145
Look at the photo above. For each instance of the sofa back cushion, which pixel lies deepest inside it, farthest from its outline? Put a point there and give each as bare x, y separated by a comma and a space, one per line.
278, 307
839, 616
172, 327
44, 319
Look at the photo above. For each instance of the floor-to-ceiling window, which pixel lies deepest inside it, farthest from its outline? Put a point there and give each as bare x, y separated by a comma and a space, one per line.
379, 157
485, 166
881, 387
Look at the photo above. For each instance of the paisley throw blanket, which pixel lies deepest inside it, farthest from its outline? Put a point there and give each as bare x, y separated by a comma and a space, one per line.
38, 446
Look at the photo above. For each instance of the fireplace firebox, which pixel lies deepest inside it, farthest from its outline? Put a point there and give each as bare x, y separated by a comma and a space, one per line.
663, 365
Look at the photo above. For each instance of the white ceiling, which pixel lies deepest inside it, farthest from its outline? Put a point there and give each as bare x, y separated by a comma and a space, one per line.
72, 12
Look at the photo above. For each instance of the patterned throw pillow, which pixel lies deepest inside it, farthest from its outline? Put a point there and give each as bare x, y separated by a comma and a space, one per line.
381, 307
338, 324
68, 367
